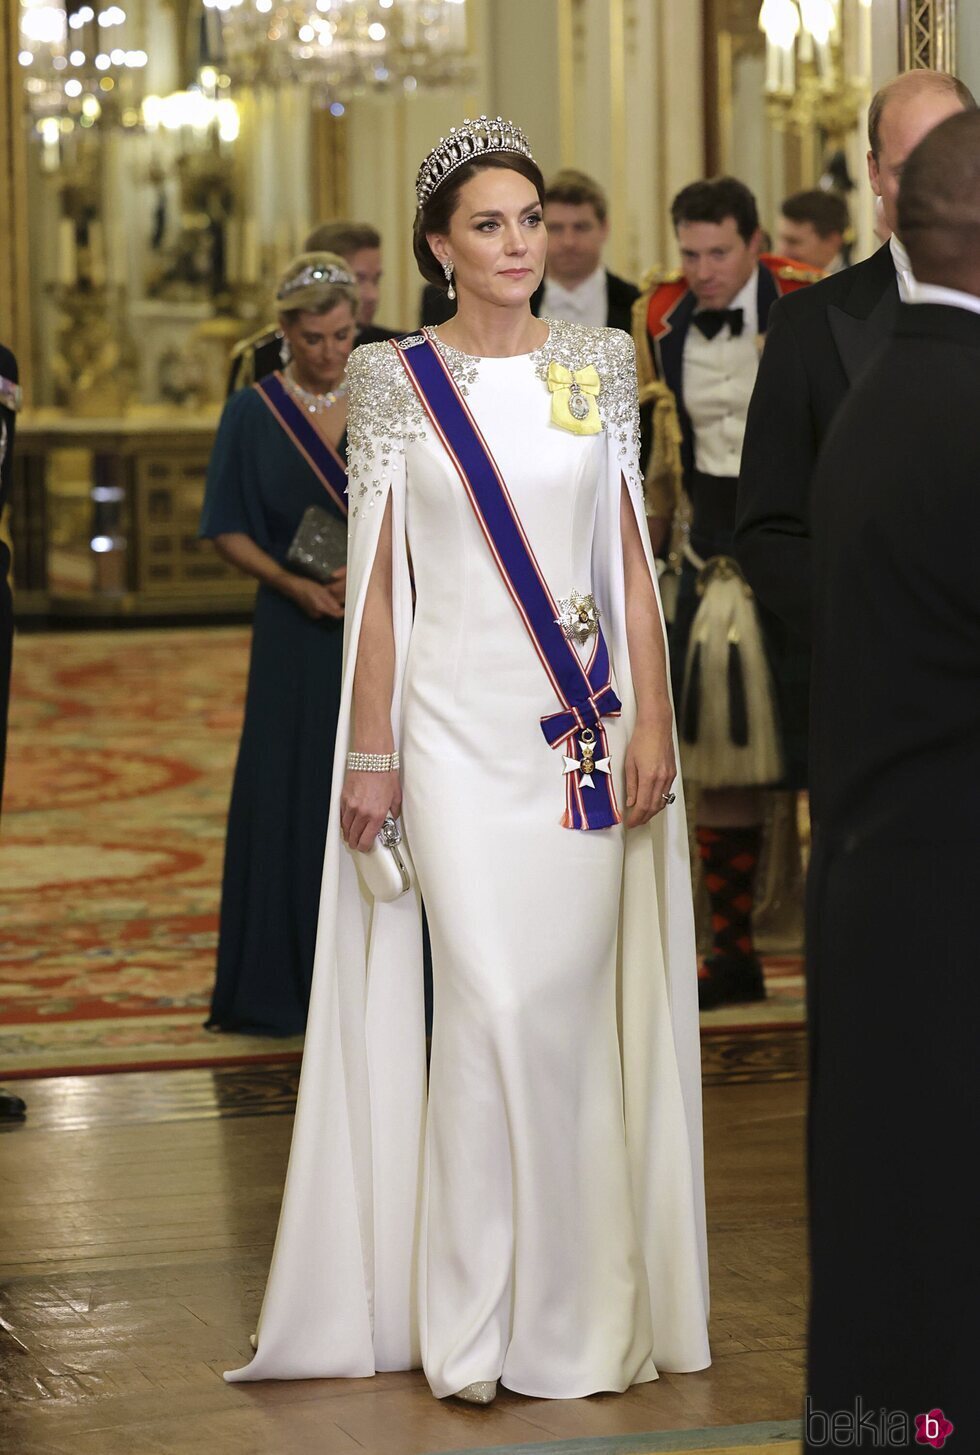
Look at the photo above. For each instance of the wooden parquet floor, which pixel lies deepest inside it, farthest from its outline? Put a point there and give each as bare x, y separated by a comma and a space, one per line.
138, 1216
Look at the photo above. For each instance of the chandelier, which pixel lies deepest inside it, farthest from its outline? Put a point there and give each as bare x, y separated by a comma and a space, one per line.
817, 63
78, 61
344, 48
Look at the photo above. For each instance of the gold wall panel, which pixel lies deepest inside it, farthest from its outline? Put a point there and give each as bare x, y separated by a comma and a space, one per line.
928, 35
15, 323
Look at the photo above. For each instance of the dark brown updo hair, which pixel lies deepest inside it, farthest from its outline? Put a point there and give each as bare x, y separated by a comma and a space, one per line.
436, 212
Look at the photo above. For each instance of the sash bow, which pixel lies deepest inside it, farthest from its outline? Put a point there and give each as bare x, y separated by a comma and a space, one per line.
557, 726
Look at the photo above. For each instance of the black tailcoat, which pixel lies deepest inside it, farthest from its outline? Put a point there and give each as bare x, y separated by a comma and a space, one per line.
668, 353
892, 923
620, 296
789, 672
818, 342
8, 371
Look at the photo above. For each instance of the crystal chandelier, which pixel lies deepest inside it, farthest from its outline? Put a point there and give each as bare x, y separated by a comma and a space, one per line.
343, 48
818, 56
78, 61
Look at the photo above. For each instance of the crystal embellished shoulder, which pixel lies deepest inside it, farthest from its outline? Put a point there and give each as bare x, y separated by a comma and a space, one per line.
611, 353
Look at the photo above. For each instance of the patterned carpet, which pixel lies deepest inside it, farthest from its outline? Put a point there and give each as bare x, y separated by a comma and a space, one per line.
121, 751
122, 746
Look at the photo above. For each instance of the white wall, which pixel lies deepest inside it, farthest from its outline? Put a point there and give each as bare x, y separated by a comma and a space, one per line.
642, 143
968, 44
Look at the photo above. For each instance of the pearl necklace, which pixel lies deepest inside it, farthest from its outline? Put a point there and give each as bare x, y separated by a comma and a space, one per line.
314, 403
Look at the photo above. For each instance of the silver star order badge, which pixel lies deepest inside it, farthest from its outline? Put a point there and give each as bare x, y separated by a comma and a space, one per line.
578, 616
588, 763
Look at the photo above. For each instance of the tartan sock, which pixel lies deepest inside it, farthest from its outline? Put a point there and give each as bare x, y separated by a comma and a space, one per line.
730, 857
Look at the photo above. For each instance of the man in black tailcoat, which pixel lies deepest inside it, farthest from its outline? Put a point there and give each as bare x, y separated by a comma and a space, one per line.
359, 244
698, 333
11, 1107
818, 342
895, 1003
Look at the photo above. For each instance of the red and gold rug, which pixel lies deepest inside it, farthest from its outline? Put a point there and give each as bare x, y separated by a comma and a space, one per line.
121, 751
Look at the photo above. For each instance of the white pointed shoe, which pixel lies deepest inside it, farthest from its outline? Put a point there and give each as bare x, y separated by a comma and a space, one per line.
483, 1392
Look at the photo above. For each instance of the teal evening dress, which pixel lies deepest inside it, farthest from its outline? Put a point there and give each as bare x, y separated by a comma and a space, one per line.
260, 485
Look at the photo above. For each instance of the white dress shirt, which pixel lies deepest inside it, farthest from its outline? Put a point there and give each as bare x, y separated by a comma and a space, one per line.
903, 268
719, 375
586, 303
949, 297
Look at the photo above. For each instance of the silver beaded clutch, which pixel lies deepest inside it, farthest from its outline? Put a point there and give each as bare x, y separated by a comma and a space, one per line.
319, 547
386, 869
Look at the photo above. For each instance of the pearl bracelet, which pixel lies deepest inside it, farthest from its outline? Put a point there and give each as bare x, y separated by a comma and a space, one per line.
372, 762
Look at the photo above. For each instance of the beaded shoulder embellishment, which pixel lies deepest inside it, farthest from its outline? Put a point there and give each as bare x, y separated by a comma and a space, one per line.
384, 415
612, 354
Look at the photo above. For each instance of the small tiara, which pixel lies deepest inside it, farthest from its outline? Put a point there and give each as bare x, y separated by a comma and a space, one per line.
315, 273
464, 143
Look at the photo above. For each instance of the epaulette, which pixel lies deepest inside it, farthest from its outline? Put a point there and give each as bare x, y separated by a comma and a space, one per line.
659, 303
789, 273
265, 335
658, 274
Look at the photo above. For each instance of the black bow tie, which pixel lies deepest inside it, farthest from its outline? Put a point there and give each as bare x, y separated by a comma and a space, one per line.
711, 321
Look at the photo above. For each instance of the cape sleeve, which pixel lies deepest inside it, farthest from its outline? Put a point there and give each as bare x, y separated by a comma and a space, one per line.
620, 410
340, 1300
657, 954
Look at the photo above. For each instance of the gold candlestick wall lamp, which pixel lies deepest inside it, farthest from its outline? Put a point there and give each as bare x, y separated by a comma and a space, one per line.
818, 61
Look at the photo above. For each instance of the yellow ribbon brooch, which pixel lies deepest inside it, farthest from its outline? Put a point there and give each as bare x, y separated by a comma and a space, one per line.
573, 398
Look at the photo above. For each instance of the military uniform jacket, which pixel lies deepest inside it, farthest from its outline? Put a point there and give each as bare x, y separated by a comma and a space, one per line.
662, 316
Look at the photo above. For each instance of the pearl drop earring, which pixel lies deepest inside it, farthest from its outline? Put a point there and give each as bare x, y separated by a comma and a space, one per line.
447, 268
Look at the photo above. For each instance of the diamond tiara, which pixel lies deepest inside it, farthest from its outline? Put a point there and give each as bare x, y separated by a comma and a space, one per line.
314, 273
463, 144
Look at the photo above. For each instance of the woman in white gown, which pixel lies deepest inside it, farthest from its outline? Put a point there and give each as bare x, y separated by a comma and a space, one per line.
538, 1217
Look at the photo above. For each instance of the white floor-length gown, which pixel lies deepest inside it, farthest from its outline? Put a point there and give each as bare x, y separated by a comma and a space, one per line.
541, 1221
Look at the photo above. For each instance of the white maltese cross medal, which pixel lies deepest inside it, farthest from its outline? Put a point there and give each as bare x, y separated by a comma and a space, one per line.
588, 763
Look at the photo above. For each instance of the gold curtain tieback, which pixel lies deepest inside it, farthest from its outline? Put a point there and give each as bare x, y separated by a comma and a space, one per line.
573, 398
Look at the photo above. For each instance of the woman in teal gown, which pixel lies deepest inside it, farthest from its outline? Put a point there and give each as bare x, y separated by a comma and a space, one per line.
281, 447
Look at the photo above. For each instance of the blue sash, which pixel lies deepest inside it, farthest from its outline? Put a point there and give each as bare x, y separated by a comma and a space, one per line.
322, 459
584, 692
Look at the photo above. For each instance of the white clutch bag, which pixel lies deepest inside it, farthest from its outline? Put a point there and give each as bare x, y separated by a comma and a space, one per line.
386, 869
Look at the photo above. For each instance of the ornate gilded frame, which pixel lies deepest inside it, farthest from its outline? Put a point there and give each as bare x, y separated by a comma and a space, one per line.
927, 35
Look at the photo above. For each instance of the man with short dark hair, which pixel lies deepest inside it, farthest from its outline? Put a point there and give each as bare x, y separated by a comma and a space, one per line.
697, 332
894, 990
818, 344
813, 228
359, 244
